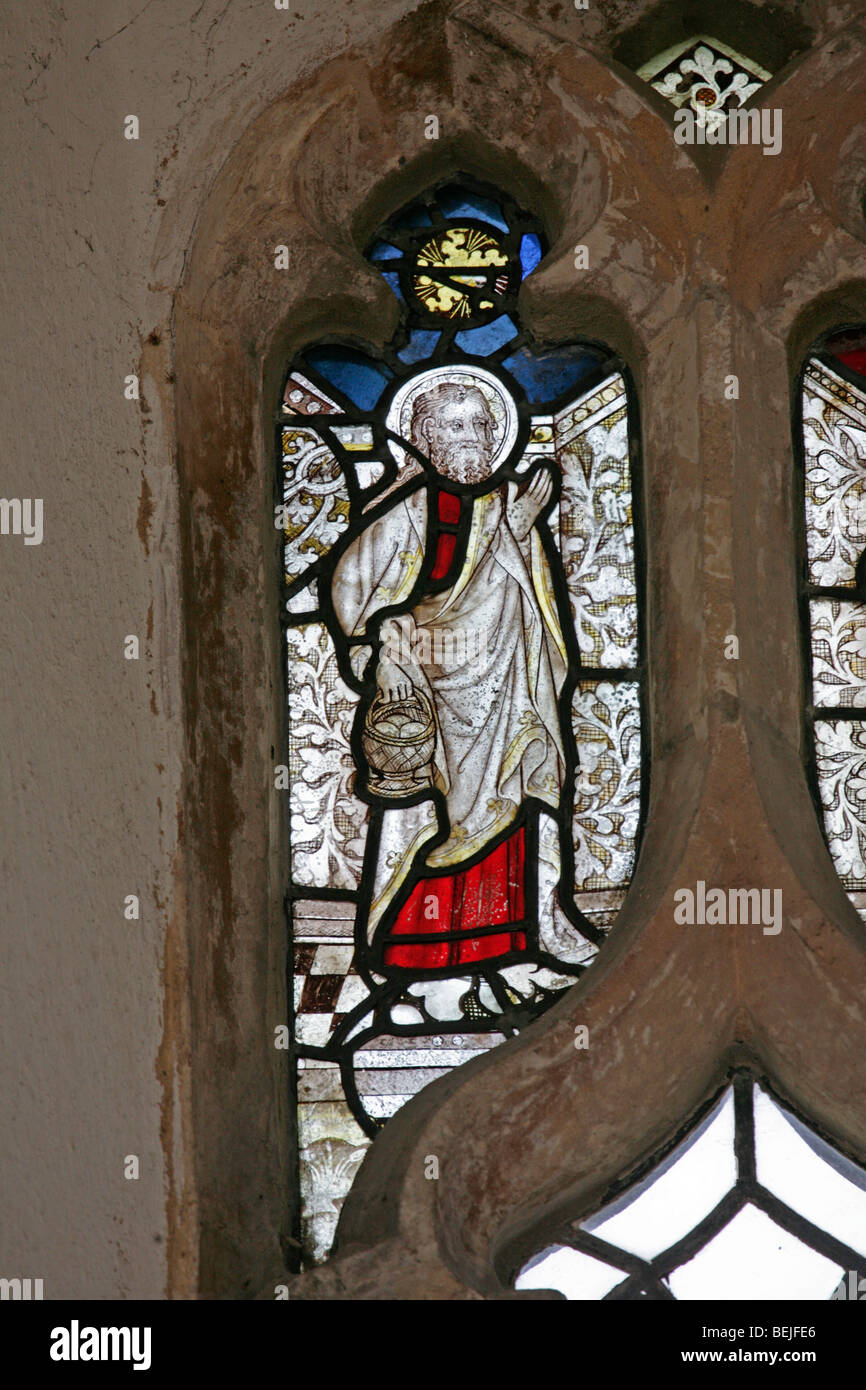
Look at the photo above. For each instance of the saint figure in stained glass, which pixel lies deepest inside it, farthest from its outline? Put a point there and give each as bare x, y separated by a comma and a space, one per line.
464, 677
451, 583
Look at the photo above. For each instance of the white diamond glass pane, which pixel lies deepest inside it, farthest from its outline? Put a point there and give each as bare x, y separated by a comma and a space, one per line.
805, 1173
578, 1276
754, 1255
752, 1260
679, 1194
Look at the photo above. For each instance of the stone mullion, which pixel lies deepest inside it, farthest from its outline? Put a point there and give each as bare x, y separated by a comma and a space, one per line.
803, 991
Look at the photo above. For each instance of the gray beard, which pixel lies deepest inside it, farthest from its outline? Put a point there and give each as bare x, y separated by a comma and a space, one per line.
455, 465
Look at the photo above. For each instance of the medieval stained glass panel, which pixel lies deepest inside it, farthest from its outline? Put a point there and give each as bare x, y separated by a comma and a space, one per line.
834, 596
464, 670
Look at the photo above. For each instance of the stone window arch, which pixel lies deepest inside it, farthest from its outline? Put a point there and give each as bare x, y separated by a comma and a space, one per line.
698, 272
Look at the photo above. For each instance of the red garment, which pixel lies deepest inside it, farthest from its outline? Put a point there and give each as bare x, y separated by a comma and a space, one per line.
449, 508
448, 514
856, 360
487, 895
445, 546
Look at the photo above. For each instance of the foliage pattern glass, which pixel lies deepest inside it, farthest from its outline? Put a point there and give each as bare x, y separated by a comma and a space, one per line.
833, 397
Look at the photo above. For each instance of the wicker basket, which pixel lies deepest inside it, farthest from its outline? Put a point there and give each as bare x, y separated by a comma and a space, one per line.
398, 741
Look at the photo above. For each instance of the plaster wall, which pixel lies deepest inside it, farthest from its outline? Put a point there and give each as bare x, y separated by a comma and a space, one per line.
95, 231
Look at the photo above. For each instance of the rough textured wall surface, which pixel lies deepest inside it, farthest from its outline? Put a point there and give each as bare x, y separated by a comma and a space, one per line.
95, 231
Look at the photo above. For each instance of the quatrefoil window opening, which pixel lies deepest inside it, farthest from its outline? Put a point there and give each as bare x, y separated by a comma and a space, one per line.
705, 75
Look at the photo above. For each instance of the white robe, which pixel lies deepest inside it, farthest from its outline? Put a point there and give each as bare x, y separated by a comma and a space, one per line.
498, 734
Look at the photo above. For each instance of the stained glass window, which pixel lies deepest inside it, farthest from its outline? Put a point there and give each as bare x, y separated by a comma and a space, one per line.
834, 596
750, 1205
464, 659
705, 75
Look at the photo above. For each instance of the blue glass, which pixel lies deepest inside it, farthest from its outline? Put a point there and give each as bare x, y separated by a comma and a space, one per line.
547, 375
356, 375
394, 281
457, 202
484, 340
420, 345
530, 254
415, 217
384, 251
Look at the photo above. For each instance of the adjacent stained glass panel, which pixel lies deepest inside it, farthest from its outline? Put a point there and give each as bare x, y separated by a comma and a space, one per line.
464, 658
834, 595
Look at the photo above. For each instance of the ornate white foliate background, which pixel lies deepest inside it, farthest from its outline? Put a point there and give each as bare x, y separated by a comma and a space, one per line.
316, 503
596, 528
607, 729
834, 442
834, 437
840, 749
838, 652
328, 822
596, 538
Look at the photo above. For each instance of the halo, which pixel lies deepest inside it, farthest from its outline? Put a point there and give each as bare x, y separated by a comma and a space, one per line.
502, 405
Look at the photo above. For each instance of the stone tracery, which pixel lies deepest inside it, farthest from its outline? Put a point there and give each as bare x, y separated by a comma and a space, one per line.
687, 307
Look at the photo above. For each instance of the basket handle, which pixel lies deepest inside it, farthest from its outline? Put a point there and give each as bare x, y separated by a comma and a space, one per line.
379, 702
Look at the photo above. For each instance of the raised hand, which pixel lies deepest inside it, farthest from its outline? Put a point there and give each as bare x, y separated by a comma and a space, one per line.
522, 511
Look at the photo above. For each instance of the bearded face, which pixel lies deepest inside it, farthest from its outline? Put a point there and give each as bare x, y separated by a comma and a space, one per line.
459, 439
